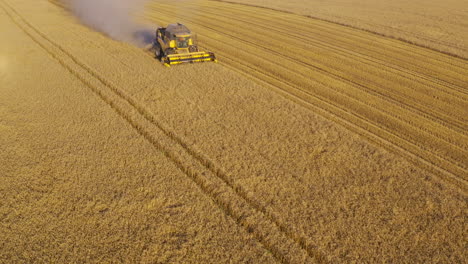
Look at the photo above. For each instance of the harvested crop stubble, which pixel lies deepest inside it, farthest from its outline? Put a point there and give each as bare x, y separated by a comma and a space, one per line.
78, 183
404, 95
284, 183
440, 25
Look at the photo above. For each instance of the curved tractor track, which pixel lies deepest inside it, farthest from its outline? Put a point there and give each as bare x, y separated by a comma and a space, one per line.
403, 97
275, 236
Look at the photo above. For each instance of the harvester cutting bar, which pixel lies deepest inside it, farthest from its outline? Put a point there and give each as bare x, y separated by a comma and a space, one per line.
189, 58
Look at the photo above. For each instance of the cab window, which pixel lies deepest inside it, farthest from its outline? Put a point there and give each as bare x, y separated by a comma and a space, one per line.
183, 42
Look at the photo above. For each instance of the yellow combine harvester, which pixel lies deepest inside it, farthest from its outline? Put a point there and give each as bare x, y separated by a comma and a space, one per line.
175, 44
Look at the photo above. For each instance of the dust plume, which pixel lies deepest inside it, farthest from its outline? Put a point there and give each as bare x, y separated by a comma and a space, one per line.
114, 18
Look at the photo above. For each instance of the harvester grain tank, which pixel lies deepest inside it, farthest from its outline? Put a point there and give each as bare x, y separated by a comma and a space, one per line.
175, 44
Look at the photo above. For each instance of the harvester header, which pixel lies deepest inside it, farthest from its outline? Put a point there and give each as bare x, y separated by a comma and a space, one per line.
175, 44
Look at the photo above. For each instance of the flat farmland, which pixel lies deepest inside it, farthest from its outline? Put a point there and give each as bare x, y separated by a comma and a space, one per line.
439, 25
310, 142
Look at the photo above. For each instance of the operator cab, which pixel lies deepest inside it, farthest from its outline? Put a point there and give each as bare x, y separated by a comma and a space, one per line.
176, 44
180, 33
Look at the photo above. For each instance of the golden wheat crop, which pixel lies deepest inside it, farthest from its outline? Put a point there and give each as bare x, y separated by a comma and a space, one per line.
435, 24
309, 142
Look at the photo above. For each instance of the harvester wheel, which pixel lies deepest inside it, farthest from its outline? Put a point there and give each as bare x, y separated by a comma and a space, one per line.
157, 51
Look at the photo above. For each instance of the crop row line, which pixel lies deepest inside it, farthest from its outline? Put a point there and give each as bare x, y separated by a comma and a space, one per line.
420, 63
348, 120
316, 38
232, 127
396, 118
425, 113
373, 91
231, 198
351, 31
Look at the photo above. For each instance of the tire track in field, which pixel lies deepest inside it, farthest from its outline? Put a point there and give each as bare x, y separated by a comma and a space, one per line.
205, 12
304, 22
370, 87
233, 200
412, 145
329, 111
233, 128
261, 23
399, 118
318, 27
389, 113
352, 27
367, 47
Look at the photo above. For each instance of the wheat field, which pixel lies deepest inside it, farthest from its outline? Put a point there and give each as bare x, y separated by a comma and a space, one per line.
310, 142
439, 25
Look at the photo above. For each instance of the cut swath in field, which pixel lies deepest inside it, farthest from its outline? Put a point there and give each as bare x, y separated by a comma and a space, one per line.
296, 184
394, 93
285, 246
438, 25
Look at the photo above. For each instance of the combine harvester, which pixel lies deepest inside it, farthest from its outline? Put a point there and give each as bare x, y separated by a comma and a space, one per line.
175, 44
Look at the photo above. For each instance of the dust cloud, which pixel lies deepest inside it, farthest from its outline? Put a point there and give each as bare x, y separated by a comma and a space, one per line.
114, 18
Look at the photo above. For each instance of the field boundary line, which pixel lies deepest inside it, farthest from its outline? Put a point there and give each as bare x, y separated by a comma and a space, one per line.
213, 190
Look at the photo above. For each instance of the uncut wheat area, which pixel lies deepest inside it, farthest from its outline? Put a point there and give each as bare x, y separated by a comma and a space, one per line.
318, 137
